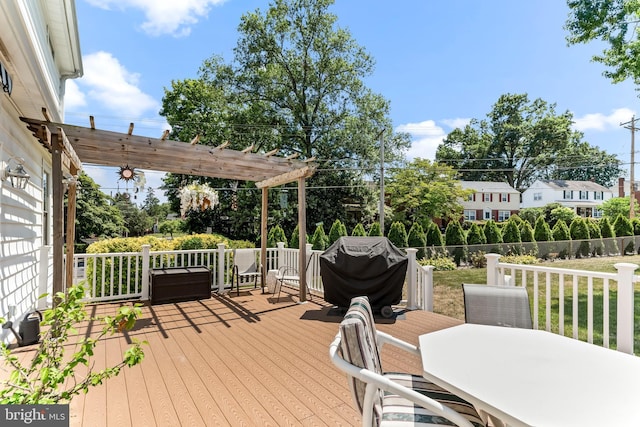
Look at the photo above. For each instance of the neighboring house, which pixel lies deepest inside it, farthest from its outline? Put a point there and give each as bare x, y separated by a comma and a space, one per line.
583, 197
490, 200
623, 189
39, 51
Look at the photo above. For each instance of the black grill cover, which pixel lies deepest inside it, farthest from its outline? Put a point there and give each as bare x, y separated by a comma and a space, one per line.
355, 266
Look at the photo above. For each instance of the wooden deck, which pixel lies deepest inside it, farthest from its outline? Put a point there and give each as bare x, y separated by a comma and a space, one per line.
235, 361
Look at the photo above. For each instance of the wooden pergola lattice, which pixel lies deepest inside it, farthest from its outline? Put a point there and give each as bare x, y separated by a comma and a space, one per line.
71, 146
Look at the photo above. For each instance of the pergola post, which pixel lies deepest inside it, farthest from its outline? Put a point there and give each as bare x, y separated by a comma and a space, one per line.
302, 226
263, 235
58, 216
71, 225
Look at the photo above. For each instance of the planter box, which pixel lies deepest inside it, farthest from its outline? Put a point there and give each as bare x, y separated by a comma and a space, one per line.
179, 284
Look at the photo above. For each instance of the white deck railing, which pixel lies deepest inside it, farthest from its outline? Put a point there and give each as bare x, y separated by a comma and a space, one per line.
568, 301
114, 276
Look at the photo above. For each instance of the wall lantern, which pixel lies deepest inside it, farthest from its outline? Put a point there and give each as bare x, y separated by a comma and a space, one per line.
7, 84
18, 177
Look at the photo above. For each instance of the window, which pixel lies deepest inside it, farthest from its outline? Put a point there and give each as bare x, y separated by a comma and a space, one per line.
584, 195
504, 197
567, 194
486, 197
598, 195
469, 215
487, 214
537, 196
597, 213
471, 197
503, 215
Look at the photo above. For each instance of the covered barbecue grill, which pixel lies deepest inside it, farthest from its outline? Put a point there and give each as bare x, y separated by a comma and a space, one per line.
370, 266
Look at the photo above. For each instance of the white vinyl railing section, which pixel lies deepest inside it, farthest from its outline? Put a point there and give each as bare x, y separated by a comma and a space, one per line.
122, 276
568, 301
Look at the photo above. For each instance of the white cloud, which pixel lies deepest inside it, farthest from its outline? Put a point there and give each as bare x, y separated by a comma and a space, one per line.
457, 123
174, 17
601, 122
426, 136
106, 81
73, 96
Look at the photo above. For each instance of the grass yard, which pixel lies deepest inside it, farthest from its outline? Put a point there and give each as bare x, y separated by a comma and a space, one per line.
448, 297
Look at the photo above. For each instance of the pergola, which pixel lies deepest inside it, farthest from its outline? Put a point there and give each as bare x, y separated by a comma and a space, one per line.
71, 146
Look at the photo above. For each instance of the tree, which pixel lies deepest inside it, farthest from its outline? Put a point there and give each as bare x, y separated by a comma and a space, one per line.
456, 241
529, 243
416, 239
562, 237
276, 234
531, 215
358, 230
398, 235
297, 84
136, 221
542, 235
511, 235
493, 235
608, 236
623, 229
320, 240
518, 143
579, 161
423, 190
375, 229
597, 245
337, 230
579, 231
615, 23
170, 226
562, 213
95, 215
615, 206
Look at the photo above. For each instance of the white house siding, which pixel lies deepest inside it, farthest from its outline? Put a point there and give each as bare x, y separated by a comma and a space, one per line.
566, 193
38, 82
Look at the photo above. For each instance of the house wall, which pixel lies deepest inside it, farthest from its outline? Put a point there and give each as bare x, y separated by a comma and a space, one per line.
26, 53
494, 205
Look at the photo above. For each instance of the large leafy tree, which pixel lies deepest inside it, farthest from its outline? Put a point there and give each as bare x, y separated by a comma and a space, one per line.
422, 190
96, 216
296, 84
519, 142
614, 22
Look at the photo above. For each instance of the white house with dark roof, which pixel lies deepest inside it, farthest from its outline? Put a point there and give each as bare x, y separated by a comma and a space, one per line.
490, 200
583, 197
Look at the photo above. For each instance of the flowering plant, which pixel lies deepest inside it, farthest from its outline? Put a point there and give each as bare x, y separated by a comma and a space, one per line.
197, 197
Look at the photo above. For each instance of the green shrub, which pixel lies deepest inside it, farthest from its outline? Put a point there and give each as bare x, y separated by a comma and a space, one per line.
478, 259
440, 263
579, 231
511, 236
562, 237
416, 239
519, 259
456, 241
319, 240
398, 235
542, 235
608, 237
597, 245
493, 235
358, 231
338, 229
375, 229
529, 244
276, 235
622, 228
475, 235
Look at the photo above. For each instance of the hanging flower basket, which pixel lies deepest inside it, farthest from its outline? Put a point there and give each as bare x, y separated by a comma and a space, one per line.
197, 197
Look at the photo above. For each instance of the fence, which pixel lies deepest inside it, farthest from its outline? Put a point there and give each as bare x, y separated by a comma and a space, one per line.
121, 276
592, 306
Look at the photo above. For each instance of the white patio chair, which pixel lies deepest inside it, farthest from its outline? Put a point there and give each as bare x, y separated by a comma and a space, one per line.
386, 399
287, 274
245, 268
497, 305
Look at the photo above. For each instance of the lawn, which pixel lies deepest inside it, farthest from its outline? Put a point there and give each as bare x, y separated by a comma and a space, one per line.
448, 297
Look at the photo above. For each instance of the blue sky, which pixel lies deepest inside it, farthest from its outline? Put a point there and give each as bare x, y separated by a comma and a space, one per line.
440, 63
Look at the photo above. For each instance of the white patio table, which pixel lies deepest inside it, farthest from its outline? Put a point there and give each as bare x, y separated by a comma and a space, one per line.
528, 377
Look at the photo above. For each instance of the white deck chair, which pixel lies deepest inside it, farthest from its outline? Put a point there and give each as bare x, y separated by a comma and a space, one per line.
245, 267
287, 274
386, 399
497, 305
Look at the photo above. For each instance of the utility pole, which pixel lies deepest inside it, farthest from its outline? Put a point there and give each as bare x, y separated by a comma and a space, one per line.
631, 125
381, 181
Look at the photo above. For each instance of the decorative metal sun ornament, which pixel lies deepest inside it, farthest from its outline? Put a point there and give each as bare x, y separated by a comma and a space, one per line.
127, 173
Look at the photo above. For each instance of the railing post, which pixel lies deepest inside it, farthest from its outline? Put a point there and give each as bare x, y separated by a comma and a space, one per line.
308, 252
146, 261
280, 255
43, 279
411, 278
625, 327
221, 259
492, 268
427, 288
